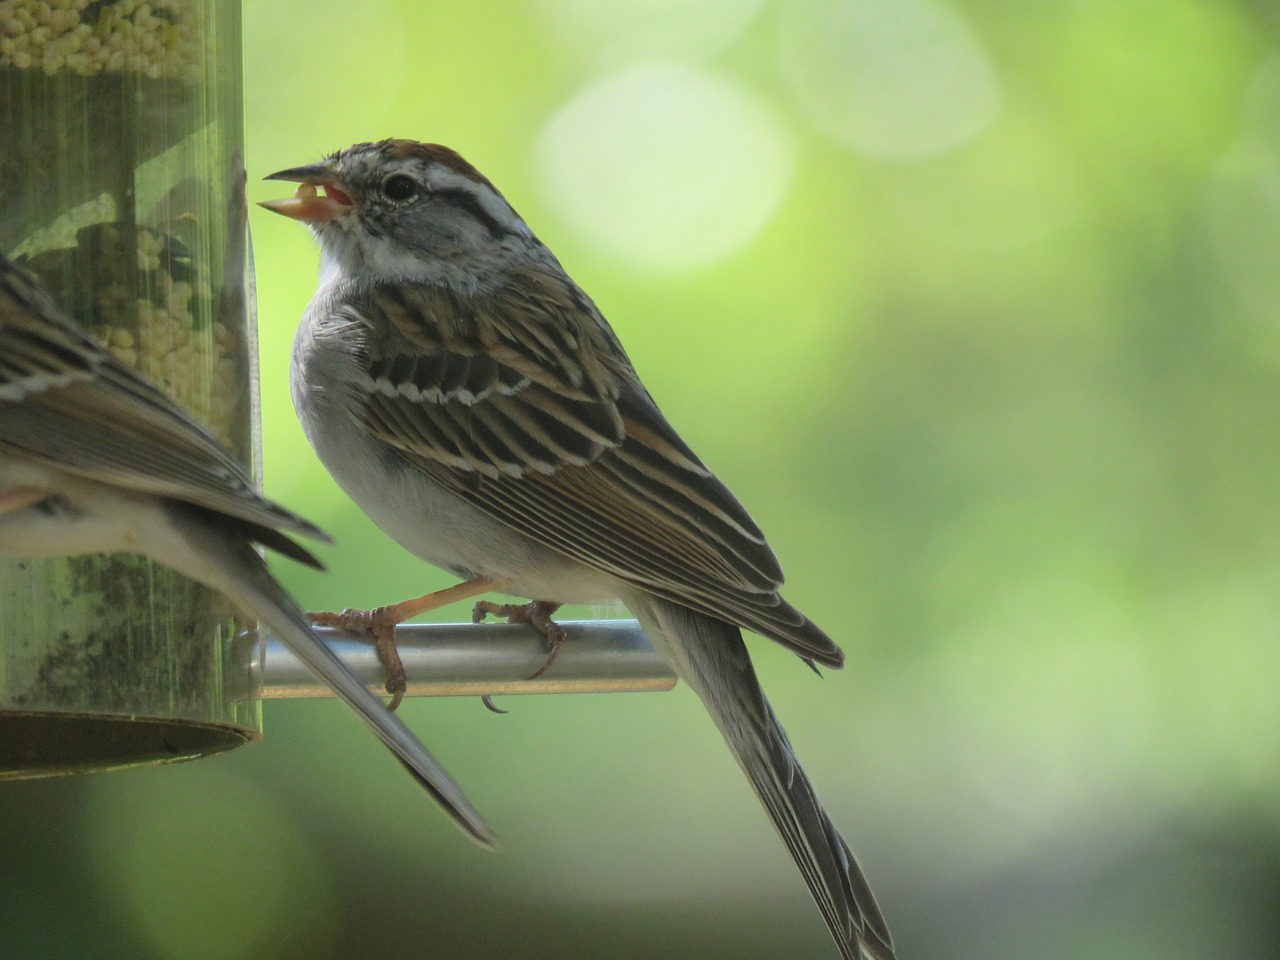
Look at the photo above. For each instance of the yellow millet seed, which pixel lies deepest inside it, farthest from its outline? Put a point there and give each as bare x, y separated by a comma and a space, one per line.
180, 294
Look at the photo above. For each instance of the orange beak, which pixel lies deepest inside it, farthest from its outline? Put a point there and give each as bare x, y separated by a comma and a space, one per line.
308, 204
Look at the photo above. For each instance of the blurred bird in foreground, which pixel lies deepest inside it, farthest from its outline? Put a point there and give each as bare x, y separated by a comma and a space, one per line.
94, 459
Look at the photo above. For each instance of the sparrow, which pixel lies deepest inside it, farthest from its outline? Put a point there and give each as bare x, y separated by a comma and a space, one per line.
474, 402
94, 458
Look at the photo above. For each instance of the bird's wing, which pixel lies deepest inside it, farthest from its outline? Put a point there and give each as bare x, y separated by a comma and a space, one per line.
66, 402
522, 401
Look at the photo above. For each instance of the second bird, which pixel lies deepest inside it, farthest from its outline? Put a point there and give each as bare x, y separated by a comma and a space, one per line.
464, 391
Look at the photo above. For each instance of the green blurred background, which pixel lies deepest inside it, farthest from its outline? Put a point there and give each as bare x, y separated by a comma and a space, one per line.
974, 305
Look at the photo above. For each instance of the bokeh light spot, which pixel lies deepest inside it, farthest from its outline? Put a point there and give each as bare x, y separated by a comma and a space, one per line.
666, 166
889, 78
206, 865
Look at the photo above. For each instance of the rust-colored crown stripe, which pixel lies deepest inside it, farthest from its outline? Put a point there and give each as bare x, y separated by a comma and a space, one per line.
430, 152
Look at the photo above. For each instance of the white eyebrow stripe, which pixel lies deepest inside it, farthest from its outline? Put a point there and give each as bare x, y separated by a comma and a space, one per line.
442, 178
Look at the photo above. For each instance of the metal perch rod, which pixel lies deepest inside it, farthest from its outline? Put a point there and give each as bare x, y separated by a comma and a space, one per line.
470, 659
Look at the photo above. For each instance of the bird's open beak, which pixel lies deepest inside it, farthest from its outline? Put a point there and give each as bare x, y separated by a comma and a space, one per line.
308, 204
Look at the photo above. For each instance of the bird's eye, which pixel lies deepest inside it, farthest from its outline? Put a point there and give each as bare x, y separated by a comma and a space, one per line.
399, 187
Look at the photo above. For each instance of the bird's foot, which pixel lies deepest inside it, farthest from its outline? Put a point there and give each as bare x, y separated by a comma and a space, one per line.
381, 622
380, 625
536, 613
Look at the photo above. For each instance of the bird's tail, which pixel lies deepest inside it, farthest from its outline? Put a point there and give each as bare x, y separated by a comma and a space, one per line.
710, 656
224, 559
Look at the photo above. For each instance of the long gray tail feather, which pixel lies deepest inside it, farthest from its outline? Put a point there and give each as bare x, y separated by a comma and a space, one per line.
710, 656
227, 562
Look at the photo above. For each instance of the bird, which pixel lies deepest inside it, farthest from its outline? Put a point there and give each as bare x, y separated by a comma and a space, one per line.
472, 399
94, 458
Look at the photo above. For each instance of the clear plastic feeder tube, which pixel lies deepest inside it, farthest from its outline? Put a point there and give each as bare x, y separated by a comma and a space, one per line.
122, 188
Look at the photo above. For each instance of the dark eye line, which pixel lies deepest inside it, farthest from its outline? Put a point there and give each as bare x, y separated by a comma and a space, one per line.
471, 204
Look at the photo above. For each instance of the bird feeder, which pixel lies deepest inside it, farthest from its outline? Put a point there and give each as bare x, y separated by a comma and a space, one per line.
122, 188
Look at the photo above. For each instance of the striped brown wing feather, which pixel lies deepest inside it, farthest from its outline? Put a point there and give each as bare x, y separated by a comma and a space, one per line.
553, 434
67, 402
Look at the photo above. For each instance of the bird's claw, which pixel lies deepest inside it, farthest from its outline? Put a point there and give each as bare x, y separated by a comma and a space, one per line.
536, 613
